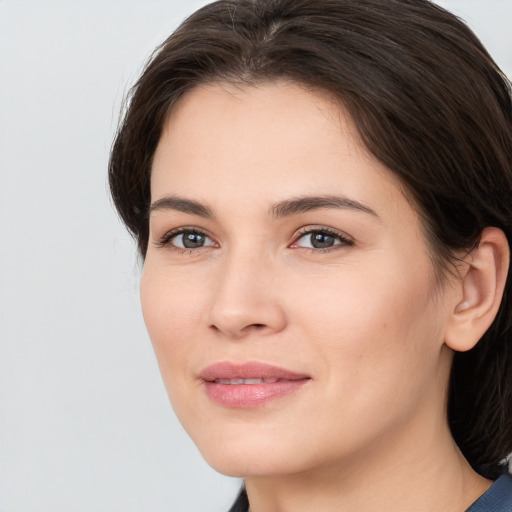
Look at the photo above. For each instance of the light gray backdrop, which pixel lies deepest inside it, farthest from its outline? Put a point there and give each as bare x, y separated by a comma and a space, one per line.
84, 420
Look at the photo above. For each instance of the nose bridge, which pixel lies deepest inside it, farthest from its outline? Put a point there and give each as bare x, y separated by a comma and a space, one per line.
245, 298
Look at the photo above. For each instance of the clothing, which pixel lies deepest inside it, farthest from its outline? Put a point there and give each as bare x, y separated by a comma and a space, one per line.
498, 498
242, 503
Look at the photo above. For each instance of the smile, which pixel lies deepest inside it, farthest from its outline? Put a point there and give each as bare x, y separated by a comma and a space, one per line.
250, 384
233, 382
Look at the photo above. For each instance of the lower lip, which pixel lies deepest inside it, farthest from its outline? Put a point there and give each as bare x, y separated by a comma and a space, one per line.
245, 396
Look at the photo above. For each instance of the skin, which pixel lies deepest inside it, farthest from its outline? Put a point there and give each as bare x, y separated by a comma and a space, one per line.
365, 319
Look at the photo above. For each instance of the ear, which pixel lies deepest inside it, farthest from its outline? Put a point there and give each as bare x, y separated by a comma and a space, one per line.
481, 288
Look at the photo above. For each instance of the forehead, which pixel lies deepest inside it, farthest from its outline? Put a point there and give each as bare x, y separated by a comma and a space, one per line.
277, 136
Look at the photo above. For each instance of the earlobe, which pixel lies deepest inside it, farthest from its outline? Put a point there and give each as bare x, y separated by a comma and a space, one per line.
482, 288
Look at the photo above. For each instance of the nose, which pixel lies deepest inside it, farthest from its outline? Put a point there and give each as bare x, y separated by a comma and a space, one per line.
247, 298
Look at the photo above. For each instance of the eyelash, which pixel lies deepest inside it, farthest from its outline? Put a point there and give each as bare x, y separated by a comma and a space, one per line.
344, 240
166, 239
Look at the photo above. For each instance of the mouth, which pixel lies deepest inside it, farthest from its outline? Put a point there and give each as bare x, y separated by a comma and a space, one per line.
237, 382
249, 385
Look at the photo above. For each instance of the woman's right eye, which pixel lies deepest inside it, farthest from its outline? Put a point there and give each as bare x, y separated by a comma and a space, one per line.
187, 239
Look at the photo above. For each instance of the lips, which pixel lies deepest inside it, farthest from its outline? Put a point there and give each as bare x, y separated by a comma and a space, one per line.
250, 384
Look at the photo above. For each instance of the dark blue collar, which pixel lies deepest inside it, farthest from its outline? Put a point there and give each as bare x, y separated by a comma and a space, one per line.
498, 497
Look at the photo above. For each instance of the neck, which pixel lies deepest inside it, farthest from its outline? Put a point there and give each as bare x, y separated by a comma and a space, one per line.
418, 469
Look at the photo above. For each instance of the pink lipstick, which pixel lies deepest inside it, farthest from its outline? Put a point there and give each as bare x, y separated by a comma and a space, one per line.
250, 384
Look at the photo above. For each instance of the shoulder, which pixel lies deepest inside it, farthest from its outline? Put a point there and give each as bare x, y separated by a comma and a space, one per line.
498, 497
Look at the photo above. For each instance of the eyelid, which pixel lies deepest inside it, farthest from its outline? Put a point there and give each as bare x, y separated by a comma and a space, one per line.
345, 240
165, 240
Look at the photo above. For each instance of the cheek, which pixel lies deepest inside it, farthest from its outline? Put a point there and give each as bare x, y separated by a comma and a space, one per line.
352, 301
171, 309
376, 326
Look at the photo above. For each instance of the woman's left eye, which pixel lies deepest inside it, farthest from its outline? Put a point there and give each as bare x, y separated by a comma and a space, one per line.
321, 239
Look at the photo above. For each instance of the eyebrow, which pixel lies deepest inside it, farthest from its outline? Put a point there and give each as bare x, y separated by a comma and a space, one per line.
305, 204
180, 204
281, 209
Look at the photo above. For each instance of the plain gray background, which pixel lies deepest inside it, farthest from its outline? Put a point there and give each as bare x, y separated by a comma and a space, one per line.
85, 424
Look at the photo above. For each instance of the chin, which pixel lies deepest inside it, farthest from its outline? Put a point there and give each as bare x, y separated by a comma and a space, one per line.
240, 459
251, 465
244, 452
261, 451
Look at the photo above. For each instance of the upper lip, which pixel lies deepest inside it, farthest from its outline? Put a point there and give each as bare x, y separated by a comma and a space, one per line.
248, 370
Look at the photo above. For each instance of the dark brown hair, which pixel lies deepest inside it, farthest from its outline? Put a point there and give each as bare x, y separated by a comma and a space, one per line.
428, 101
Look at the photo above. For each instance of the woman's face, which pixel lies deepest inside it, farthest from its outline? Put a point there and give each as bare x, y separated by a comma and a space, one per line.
287, 287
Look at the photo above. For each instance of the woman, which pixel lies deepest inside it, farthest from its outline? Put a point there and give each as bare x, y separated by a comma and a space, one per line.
321, 193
